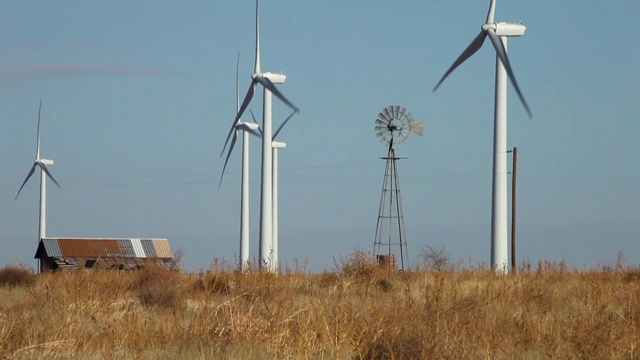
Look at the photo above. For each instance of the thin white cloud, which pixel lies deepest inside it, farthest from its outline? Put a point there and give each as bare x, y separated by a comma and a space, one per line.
25, 72
25, 51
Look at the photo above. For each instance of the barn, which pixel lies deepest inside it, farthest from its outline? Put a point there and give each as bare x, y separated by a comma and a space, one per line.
71, 254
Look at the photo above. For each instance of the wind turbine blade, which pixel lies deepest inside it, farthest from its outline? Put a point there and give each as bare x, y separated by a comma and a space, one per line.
255, 133
475, 45
254, 120
233, 143
46, 171
492, 12
256, 69
274, 90
238, 84
283, 124
245, 103
504, 58
33, 168
38, 141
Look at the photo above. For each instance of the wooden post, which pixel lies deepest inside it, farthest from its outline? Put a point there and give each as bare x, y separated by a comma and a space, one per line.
513, 211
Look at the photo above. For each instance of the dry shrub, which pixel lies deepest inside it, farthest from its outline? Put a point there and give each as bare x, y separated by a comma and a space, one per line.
12, 276
213, 282
360, 266
156, 287
398, 349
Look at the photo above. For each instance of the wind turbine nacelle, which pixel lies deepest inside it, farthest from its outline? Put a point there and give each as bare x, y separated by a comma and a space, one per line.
509, 29
278, 145
46, 162
247, 126
275, 78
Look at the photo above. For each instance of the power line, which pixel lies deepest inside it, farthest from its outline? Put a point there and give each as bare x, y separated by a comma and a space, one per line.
103, 180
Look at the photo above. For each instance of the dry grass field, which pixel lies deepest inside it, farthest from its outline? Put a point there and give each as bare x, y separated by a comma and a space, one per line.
358, 311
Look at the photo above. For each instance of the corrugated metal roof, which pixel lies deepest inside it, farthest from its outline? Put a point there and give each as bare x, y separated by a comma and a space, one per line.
137, 247
149, 250
162, 248
127, 247
52, 247
96, 248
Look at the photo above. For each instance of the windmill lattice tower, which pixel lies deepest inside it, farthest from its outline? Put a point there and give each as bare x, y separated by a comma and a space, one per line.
393, 127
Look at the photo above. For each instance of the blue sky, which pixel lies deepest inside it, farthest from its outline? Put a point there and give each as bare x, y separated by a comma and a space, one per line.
138, 98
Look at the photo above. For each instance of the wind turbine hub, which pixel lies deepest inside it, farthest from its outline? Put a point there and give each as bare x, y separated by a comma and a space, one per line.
488, 26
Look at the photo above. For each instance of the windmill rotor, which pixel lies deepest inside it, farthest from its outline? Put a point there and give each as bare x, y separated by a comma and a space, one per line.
395, 124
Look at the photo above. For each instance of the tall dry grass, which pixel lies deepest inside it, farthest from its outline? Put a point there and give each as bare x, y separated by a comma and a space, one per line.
357, 311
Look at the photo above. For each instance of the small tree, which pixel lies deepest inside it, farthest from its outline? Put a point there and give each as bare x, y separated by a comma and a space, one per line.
435, 258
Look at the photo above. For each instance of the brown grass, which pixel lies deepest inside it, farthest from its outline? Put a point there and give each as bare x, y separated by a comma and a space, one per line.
352, 313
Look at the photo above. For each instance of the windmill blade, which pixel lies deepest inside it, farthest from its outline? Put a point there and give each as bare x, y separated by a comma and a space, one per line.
33, 168
396, 111
402, 112
384, 117
46, 171
387, 114
245, 103
283, 124
475, 45
274, 90
226, 161
382, 122
380, 128
504, 58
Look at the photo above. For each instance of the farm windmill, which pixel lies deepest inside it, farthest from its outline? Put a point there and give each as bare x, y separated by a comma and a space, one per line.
44, 173
267, 80
393, 127
498, 34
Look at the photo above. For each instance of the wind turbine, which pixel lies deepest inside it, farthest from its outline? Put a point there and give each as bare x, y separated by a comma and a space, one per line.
246, 128
267, 80
498, 34
275, 145
44, 172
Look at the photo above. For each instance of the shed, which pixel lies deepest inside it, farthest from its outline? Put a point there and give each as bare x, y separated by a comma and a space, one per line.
97, 253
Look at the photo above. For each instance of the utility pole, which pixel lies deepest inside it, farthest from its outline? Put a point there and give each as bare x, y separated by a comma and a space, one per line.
513, 210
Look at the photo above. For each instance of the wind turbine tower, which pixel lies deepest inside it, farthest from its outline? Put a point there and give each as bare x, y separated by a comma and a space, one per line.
276, 145
268, 81
393, 127
497, 34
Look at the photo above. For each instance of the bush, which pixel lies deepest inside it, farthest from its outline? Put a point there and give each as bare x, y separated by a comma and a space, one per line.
359, 265
12, 276
157, 287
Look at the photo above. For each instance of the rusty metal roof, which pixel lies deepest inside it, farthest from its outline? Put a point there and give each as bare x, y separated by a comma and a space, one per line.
104, 248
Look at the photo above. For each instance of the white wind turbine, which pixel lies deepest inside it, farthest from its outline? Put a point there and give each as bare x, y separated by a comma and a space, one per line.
44, 172
267, 80
275, 146
246, 128
498, 34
